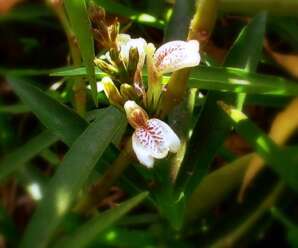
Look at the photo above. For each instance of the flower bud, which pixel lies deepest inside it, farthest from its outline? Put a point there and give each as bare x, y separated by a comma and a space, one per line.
133, 62
112, 92
136, 116
128, 92
154, 85
106, 67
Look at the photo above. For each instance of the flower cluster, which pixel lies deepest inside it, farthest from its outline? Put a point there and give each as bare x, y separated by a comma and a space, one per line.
123, 62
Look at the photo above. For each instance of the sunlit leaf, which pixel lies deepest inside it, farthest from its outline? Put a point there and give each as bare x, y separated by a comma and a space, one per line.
282, 161
81, 25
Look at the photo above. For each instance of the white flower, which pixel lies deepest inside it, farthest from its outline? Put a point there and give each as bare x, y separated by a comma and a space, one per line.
152, 138
125, 43
175, 55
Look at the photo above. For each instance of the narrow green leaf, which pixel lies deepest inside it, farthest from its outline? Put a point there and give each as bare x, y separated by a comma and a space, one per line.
81, 25
14, 160
212, 128
215, 187
90, 231
282, 161
57, 117
70, 177
178, 25
60, 119
290, 226
253, 34
225, 79
122, 10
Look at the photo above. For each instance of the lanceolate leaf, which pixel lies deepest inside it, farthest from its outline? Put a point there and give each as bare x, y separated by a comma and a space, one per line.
89, 231
14, 160
60, 119
177, 27
225, 79
81, 25
70, 177
57, 117
215, 187
282, 160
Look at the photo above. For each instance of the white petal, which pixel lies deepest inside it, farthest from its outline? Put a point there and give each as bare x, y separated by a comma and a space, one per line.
125, 43
142, 154
122, 39
140, 44
176, 55
170, 136
151, 138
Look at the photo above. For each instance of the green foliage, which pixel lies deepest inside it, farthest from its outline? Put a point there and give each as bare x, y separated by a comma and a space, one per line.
90, 230
212, 127
70, 177
17, 158
78, 174
81, 25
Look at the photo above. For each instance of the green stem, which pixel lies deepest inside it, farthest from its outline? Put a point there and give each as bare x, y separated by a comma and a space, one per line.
79, 88
101, 188
278, 7
200, 29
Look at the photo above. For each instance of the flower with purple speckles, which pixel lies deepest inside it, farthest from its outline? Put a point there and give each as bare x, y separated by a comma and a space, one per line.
152, 138
175, 55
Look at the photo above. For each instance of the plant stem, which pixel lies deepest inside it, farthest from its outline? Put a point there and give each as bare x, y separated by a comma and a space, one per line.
278, 7
101, 188
79, 86
200, 29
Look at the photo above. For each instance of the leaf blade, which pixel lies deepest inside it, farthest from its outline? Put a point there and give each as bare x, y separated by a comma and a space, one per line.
69, 178
57, 117
88, 232
14, 160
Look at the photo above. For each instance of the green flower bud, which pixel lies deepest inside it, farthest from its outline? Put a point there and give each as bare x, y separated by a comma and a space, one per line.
112, 92
128, 92
106, 67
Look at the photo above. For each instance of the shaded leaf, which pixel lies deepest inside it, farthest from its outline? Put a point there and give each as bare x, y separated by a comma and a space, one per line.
14, 160
70, 177
88, 232
57, 117
122, 10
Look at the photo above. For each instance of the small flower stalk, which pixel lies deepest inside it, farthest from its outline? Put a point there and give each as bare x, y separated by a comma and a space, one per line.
152, 138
